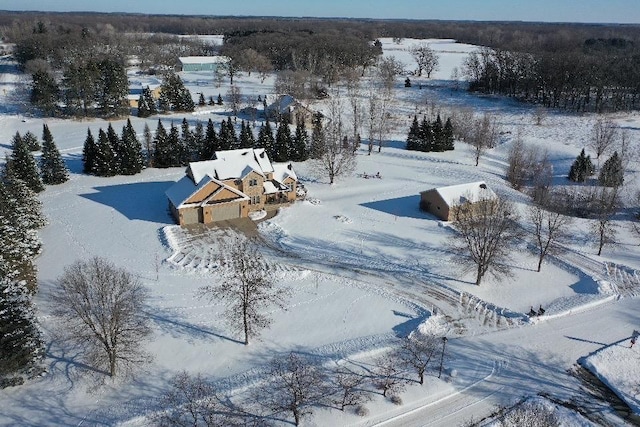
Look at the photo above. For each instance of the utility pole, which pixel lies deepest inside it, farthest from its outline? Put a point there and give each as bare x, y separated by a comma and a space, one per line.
444, 343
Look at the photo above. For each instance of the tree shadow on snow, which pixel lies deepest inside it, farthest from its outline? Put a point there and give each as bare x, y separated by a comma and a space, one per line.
144, 201
178, 327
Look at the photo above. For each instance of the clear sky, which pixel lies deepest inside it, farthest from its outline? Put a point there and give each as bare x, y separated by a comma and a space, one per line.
605, 11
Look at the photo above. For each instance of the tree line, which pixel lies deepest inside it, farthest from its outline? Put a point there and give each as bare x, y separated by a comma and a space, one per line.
21, 343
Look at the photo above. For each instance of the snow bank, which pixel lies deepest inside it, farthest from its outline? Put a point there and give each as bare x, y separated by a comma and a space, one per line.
618, 366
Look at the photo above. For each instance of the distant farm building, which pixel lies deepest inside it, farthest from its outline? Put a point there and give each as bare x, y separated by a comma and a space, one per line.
236, 183
134, 94
442, 201
203, 63
286, 108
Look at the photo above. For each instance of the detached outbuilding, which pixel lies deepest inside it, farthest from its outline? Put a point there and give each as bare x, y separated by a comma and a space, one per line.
203, 63
442, 201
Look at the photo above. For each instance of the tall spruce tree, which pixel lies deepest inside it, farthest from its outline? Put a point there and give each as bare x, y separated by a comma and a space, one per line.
52, 167
317, 137
246, 136
186, 139
45, 92
176, 148
199, 143
31, 141
413, 137
106, 163
161, 148
612, 172
132, 161
117, 149
447, 136
212, 142
426, 136
300, 146
149, 100
143, 108
582, 168
21, 344
23, 165
283, 143
89, 154
437, 130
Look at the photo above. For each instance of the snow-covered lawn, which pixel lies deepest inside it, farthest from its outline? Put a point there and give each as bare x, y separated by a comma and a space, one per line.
363, 264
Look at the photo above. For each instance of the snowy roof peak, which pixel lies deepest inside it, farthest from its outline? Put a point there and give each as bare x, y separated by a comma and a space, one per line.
469, 192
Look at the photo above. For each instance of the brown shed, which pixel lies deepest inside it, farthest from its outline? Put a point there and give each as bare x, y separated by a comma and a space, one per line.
441, 201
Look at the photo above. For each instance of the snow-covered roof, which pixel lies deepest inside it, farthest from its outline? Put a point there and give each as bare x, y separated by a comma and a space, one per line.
185, 188
204, 59
470, 192
269, 187
263, 160
282, 171
231, 164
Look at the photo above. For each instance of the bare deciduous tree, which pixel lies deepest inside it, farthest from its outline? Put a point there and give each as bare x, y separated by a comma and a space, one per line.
549, 230
294, 385
605, 204
417, 351
249, 291
349, 385
102, 308
484, 135
604, 136
387, 375
235, 97
332, 156
485, 231
388, 69
425, 57
191, 401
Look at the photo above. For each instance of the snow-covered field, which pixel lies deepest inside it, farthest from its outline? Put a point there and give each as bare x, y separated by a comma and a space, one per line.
363, 264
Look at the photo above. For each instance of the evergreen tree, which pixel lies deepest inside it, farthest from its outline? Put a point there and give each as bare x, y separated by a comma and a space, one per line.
132, 161
612, 172
45, 92
113, 88
582, 168
413, 137
212, 142
161, 150
246, 136
106, 163
437, 130
143, 108
426, 136
149, 101
148, 140
447, 136
228, 137
52, 167
201, 101
219, 101
21, 344
20, 217
269, 141
174, 96
199, 143
187, 141
283, 143
31, 141
23, 165
300, 144
89, 154
186, 101
176, 148
116, 147
211, 101
317, 137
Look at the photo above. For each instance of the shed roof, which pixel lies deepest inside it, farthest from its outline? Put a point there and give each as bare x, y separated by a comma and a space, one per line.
469, 192
218, 59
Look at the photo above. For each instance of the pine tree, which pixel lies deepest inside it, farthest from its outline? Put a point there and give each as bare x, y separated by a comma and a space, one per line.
161, 149
211, 144
21, 344
201, 101
176, 148
300, 144
246, 136
52, 167
199, 143
211, 101
148, 140
143, 108
31, 141
582, 168
447, 136
24, 166
105, 162
426, 136
117, 149
174, 96
149, 101
132, 161
612, 172
317, 137
187, 141
283, 143
437, 130
89, 154
269, 140
413, 137
45, 92
219, 101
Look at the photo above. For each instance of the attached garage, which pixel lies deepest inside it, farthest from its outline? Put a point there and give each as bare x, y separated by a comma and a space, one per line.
222, 212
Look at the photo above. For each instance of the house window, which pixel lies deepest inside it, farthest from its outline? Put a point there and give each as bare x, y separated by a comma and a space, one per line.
253, 182
255, 200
